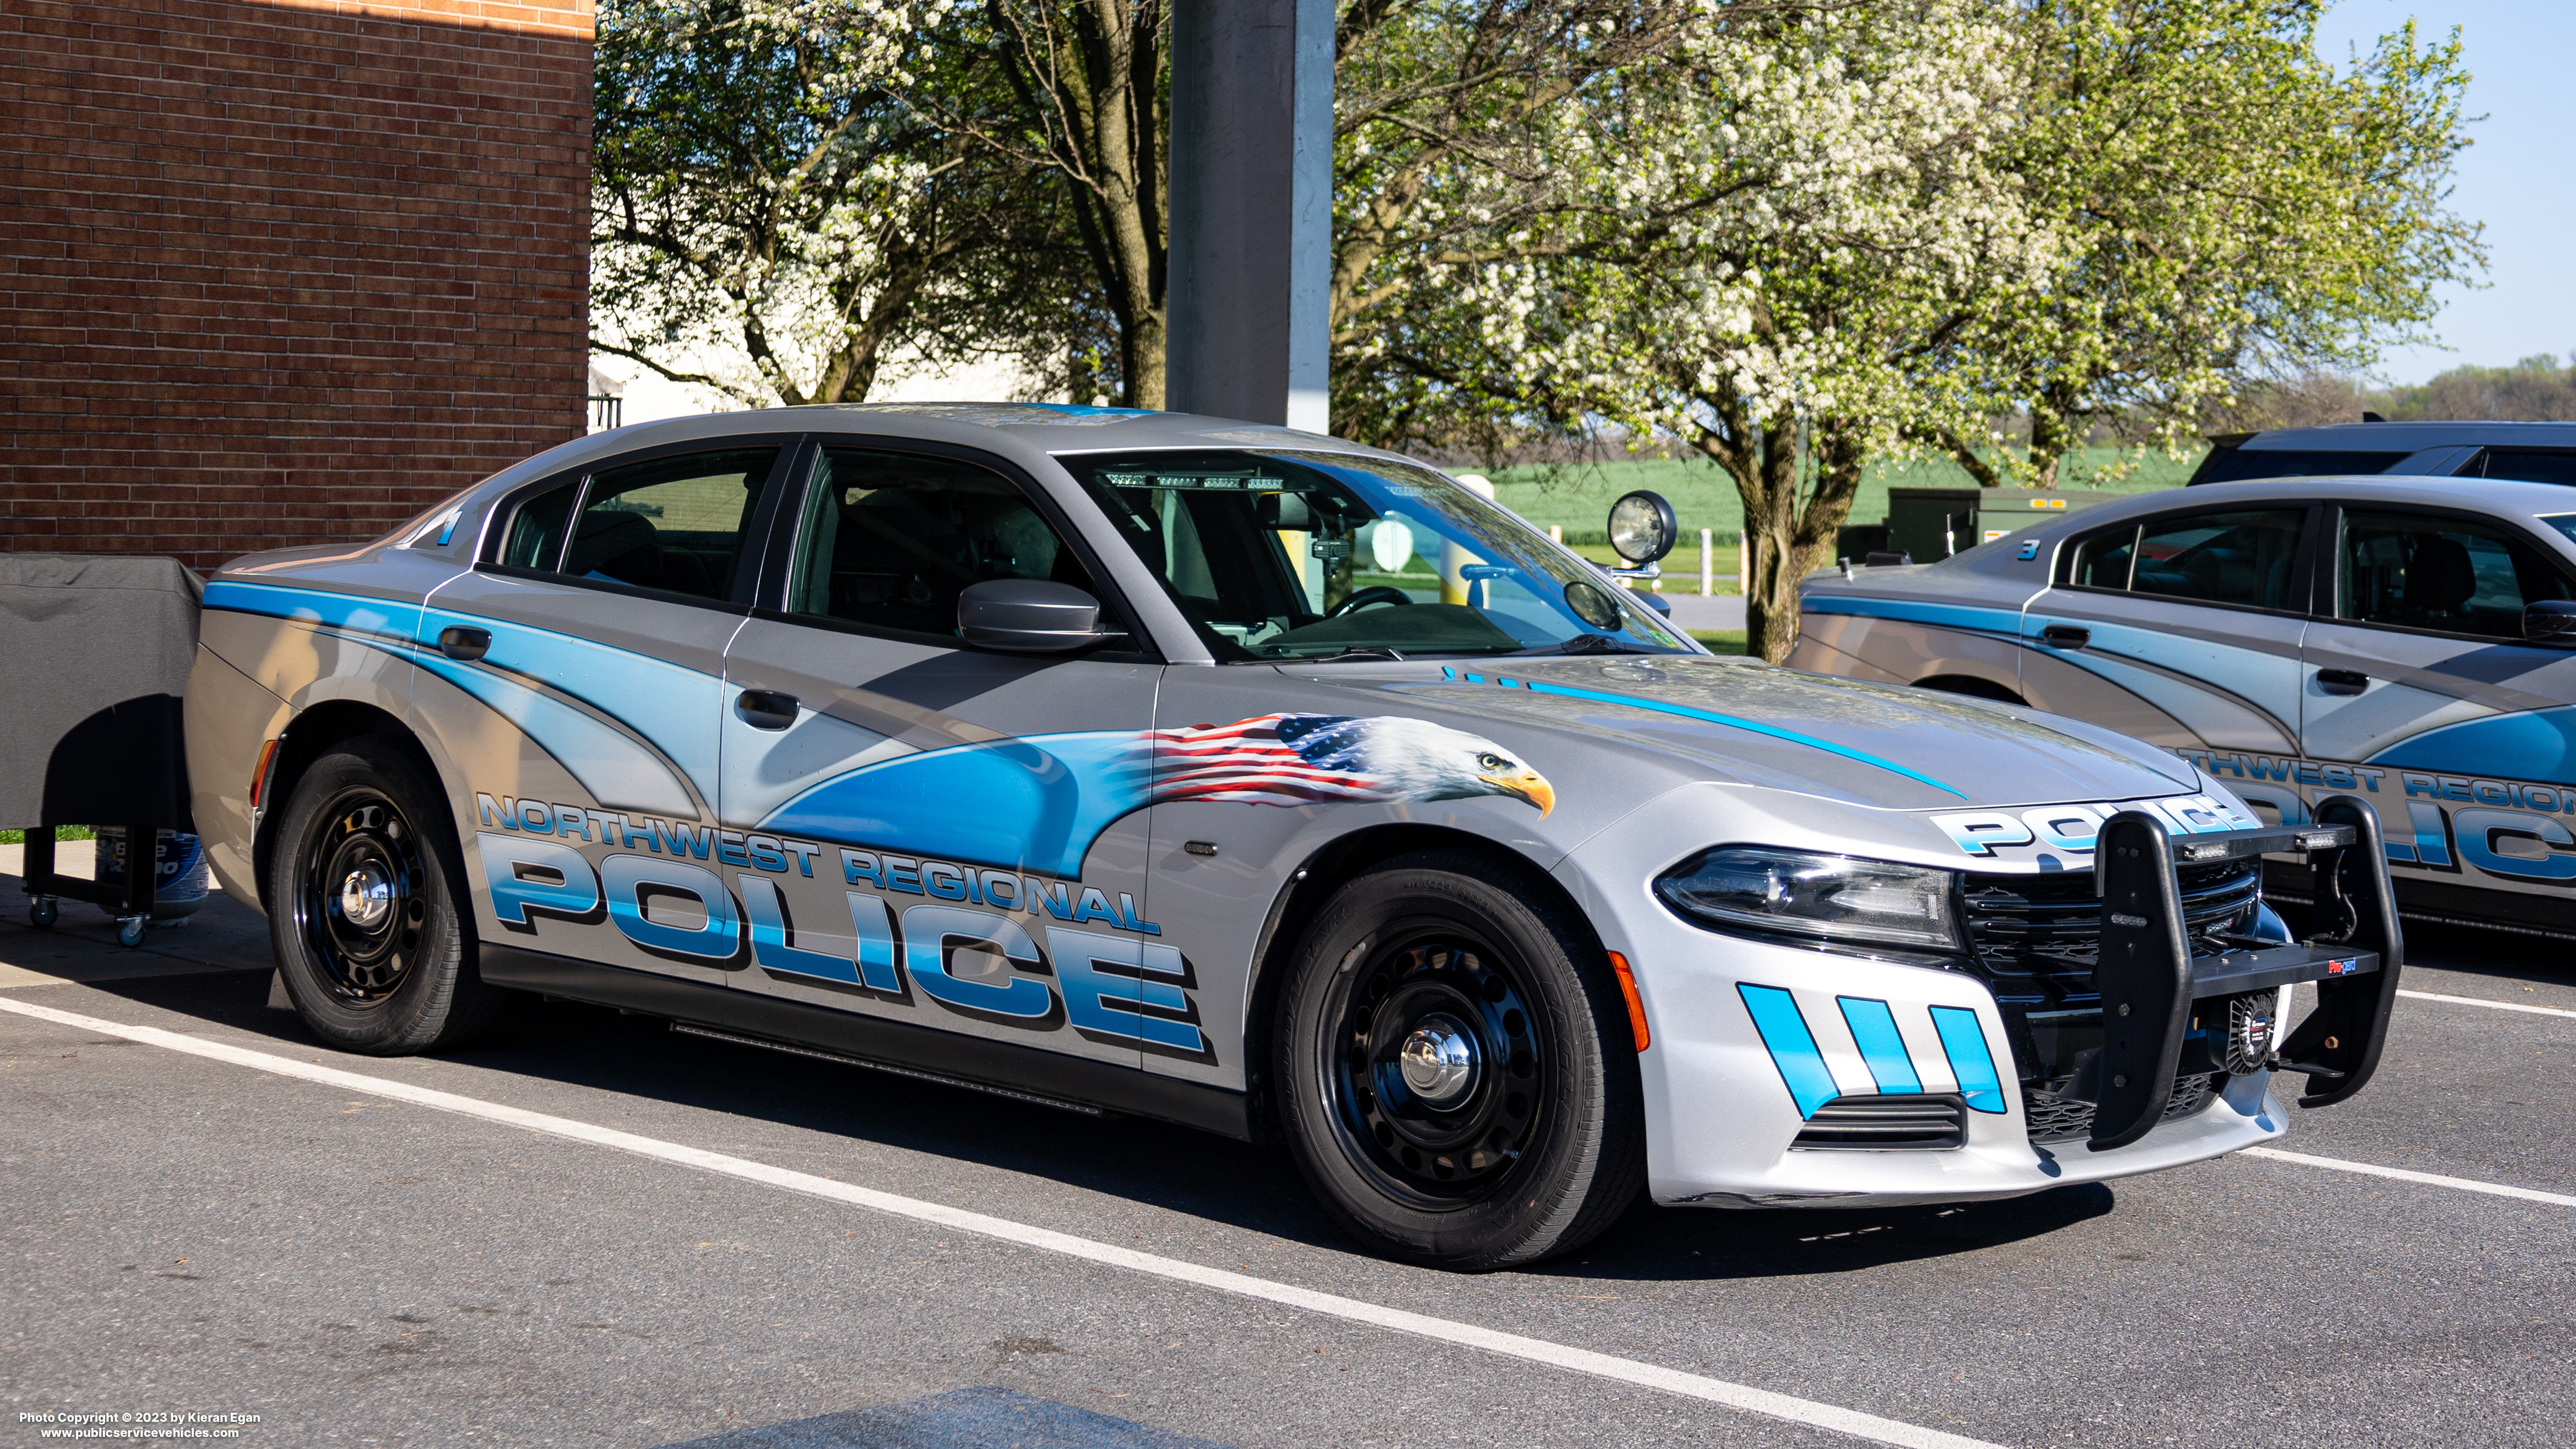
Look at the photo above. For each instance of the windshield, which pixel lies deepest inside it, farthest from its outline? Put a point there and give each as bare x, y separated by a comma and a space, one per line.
1297, 555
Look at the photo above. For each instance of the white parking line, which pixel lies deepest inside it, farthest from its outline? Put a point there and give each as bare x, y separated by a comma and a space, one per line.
1465, 1335
2482, 1001
2430, 1179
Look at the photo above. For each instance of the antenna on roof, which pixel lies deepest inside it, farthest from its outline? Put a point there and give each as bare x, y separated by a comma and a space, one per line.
2371, 417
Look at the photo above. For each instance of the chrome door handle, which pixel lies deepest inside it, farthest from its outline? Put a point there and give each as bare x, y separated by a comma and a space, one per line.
765, 709
463, 644
2342, 681
2065, 636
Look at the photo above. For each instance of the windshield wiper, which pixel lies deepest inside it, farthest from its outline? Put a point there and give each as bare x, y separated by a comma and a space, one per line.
1356, 651
1591, 644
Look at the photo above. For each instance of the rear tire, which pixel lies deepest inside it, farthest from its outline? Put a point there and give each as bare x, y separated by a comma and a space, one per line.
366, 887
1456, 1069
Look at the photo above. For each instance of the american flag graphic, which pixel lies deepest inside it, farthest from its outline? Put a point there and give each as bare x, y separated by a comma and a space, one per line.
1275, 759
1330, 759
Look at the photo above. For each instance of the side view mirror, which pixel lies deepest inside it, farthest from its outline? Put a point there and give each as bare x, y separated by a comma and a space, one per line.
1642, 528
1029, 616
2550, 623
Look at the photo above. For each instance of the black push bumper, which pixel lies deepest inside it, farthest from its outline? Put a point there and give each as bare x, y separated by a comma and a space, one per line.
2149, 978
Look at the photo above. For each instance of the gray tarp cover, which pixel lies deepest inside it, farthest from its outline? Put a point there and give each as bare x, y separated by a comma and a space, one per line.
94, 659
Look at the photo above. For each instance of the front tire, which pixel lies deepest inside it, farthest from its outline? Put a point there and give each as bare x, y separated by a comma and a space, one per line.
1456, 1070
366, 892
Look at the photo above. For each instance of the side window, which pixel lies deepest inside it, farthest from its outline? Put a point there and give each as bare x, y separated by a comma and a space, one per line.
536, 536
889, 540
2247, 557
672, 524
2423, 571
2221, 558
2527, 465
2102, 561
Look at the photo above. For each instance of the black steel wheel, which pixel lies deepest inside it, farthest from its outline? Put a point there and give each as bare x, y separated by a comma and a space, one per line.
1436, 1067
360, 901
365, 885
1454, 1068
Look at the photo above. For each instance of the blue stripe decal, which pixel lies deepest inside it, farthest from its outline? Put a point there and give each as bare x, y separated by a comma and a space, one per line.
678, 709
1873, 1029
1732, 722
315, 606
1947, 616
1964, 1043
2540, 743
1793, 1047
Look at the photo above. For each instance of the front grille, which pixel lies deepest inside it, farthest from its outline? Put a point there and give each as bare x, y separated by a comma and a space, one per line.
2035, 939
1876, 1124
2061, 1119
2036, 936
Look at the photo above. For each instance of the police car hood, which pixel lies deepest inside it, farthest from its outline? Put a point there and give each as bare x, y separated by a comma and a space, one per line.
1747, 722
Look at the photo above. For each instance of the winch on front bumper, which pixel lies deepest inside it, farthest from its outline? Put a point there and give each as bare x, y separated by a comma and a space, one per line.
2131, 996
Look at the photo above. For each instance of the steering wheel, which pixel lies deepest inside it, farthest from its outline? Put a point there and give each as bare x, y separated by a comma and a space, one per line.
1373, 594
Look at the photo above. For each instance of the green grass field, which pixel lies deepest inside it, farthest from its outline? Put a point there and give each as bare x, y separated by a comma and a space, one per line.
61, 832
1577, 498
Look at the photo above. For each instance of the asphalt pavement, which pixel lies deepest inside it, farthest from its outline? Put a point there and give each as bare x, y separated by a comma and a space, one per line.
354, 1259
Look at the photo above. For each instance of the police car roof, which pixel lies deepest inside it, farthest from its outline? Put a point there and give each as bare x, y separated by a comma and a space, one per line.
2406, 437
2495, 495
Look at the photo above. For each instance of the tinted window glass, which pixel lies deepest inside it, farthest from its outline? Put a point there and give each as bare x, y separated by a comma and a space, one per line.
2244, 557
2235, 465
891, 539
1304, 555
537, 533
673, 524
2527, 465
2102, 561
2564, 522
2421, 571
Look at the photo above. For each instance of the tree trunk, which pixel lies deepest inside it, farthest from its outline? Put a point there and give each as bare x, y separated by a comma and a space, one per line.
1784, 541
2052, 435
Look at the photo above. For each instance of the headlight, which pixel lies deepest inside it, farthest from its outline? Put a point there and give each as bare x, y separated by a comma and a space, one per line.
1830, 899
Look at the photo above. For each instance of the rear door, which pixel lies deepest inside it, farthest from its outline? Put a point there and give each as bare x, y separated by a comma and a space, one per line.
584, 733
2182, 629
2418, 684
936, 834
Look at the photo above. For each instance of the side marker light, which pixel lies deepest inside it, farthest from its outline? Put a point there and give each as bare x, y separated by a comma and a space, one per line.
259, 772
1628, 989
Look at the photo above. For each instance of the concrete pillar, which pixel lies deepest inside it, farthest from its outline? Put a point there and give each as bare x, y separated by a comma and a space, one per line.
1252, 210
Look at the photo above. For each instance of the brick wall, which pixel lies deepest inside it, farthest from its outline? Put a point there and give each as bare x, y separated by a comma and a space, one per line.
282, 273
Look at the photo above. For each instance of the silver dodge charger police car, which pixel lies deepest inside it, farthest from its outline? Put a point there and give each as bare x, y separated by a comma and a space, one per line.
1255, 781
2412, 641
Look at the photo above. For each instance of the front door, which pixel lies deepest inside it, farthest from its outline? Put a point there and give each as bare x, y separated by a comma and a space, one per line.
2183, 630
584, 734
937, 834
2422, 696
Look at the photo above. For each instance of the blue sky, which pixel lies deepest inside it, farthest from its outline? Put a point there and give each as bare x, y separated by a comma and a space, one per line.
2520, 177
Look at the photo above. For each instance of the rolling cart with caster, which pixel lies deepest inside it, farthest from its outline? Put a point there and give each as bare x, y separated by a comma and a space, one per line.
94, 660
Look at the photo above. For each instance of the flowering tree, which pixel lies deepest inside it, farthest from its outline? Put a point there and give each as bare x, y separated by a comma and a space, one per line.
2232, 208
771, 219
1770, 244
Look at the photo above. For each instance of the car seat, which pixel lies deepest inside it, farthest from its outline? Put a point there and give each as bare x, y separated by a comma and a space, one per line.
625, 548
2439, 581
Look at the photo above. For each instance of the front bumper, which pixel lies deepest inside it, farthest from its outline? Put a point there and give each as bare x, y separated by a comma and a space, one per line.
1750, 1039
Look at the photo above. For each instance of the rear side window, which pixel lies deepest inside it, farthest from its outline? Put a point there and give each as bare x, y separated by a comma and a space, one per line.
2424, 571
889, 540
2528, 465
2246, 557
2237, 465
675, 525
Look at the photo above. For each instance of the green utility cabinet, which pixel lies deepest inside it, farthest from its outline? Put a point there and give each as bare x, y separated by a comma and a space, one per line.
1934, 523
